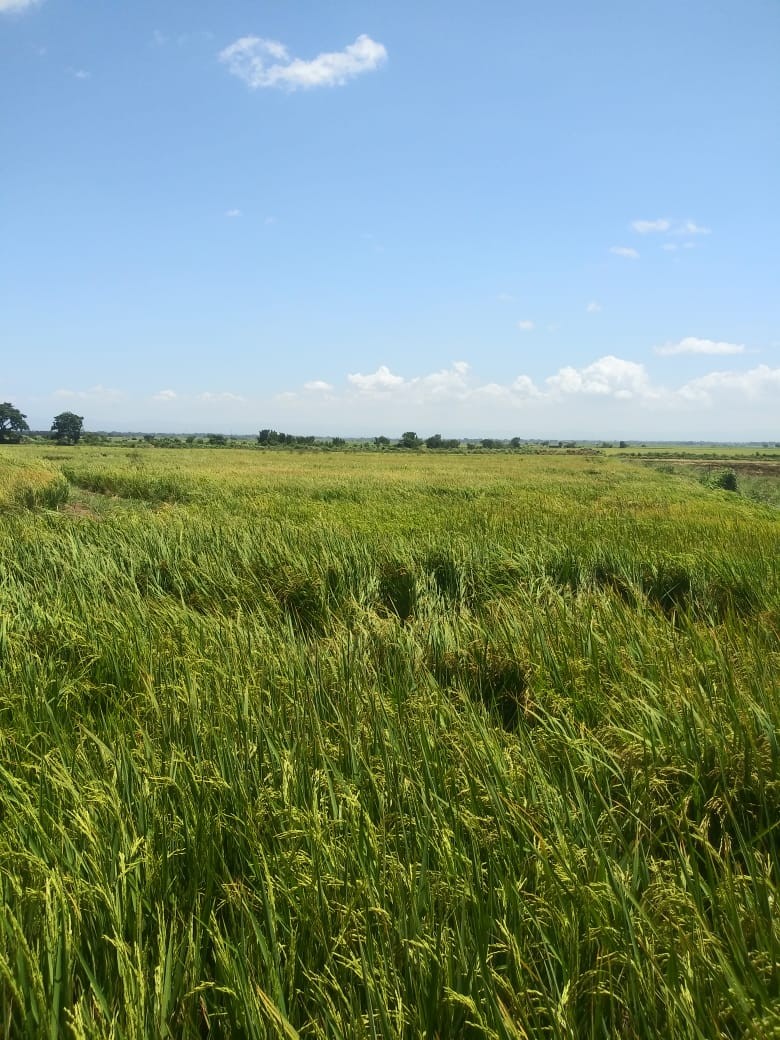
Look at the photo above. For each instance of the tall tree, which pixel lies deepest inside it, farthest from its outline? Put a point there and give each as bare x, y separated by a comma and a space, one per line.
67, 427
12, 423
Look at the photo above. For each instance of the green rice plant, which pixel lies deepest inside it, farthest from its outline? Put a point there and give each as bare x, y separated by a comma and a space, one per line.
343, 745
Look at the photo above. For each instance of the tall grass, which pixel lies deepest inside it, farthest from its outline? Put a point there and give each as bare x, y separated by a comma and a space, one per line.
375, 748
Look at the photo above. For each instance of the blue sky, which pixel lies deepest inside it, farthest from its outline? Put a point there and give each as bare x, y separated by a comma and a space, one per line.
554, 219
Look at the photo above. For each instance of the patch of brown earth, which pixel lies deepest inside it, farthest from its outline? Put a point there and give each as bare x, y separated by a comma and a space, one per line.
79, 509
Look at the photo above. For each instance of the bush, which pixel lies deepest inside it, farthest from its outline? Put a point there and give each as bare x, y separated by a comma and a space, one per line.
725, 479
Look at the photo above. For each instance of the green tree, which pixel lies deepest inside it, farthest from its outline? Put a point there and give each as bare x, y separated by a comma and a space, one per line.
12, 424
410, 440
268, 437
67, 427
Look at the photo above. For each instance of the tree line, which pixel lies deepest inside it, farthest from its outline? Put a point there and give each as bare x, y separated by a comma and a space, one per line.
66, 427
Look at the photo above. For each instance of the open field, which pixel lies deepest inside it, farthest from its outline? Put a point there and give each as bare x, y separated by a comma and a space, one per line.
385, 745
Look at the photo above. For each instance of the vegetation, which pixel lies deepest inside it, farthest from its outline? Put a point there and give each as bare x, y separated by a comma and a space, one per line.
408, 744
12, 423
67, 427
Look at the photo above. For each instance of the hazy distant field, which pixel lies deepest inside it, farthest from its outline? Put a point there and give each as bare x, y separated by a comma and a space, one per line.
358, 745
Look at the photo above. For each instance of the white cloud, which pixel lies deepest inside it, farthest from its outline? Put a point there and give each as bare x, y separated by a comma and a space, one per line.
625, 251
318, 386
693, 345
165, 395
609, 397
81, 74
379, 382
689, 228
444, 383
665, 226
447, 383
608, 377
753, 385
525, 326
267, 63
525, 387
593, 307
16, 5
232, 213
645, 227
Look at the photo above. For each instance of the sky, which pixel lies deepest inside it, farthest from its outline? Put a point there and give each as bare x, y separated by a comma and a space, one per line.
503, 219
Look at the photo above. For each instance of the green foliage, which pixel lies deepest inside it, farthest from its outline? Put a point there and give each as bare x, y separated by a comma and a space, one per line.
725, 479
385, 745
67, 427
437, 442
12, 423
271, 438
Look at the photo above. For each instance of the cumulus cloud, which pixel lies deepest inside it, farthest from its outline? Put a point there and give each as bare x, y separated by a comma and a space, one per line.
646, 227
317, 386
16, 5
607, 397
625, 251
608, 377
267, 63
446, 383
165, 395
525, 326
233, 213
753, 385
379, 382
524, 387
693, 345
208, 395
593, 307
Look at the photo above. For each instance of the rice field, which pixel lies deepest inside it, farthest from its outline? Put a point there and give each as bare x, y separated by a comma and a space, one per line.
385, 745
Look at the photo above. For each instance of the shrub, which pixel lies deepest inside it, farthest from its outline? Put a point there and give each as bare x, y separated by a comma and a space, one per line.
725, 479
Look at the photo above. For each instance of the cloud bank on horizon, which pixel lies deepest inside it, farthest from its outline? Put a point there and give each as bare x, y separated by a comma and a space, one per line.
608, 397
